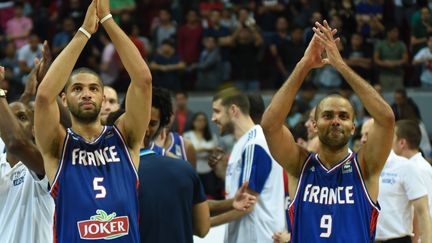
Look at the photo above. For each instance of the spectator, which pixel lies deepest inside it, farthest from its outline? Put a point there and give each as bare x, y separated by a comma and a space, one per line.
27, 55
223, 39
110, 104
421, 28
404, 107
119, 7
278, 41
19, 27
73, 9
391, 55
424, 57
210, 67
109, 67
61, 39
246, 41
182, 115
229, 19
163, 29
166, 66
205, 142
12, 70
189, 40
358, 56
368, 11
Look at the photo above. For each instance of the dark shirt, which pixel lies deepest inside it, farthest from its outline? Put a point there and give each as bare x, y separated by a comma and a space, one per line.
409, 110
168, 80
219, 32
168, 190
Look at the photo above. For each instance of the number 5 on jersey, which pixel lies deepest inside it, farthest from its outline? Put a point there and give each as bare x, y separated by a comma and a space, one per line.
326, 224
101, 191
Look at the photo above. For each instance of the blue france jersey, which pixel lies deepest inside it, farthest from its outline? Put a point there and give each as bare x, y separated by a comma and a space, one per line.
332, 205
177, 146
95, 190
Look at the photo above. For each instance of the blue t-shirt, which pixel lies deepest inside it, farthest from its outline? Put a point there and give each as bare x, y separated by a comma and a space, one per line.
168, 190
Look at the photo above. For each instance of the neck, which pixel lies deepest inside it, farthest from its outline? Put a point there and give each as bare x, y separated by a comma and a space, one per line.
330, 157
242, 125
11, 159
89, 131
168, 140
409, 153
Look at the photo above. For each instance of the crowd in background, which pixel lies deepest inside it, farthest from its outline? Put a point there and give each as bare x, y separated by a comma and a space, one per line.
253, 45
203, 45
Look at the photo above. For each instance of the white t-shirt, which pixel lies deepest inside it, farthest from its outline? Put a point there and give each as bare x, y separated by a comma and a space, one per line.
400, 182
425, 54
251, 161
202, 148
26, 207
425, 170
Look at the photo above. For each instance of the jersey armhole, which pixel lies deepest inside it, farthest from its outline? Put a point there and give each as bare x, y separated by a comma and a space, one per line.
308, 158
365, 190
53, 188
127, 151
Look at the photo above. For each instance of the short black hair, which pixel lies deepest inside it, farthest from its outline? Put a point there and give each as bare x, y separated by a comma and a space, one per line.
161, 100
232, 96
410, 131
256, 107
401, 92
82, 70
207, 133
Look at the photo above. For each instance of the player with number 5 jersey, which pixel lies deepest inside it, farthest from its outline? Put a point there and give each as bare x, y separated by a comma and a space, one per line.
92, 168
334, 193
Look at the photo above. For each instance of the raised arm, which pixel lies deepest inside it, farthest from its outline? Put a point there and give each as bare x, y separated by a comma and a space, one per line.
279, 138
134, 122
374, 154
17, 141
48, 131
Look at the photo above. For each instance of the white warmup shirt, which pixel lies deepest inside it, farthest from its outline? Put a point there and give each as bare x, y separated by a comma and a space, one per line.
26, 207
425, 170
2, 146
250, 160
400, 182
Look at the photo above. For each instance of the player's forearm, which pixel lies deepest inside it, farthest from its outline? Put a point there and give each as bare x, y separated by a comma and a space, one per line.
129, 54
372, 101
220, 206
227, 217
60, 70
277, 111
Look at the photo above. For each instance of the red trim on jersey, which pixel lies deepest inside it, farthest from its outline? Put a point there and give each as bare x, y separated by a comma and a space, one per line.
373, 222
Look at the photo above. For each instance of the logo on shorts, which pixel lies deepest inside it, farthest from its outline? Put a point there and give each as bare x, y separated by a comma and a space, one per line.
103, 226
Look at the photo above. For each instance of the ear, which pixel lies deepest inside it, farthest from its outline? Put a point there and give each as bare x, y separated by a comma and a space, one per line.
233, 109
63, 98
402, 143
314, 124
353, 129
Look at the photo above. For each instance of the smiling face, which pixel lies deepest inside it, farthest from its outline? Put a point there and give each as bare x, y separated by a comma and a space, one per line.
84, 97
222, 118
334, 122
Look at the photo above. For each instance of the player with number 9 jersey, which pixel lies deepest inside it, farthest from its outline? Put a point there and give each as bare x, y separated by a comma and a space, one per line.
95, 190
332, 205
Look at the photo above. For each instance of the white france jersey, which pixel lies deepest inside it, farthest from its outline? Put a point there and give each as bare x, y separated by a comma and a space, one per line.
250, 160
425, 170
26, 207
400, 182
